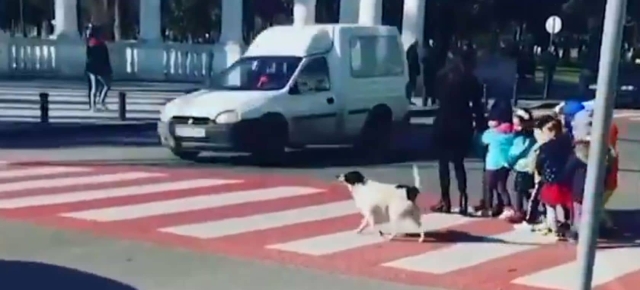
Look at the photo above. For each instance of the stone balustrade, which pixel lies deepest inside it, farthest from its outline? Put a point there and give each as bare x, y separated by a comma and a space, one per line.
177, 62
150, 59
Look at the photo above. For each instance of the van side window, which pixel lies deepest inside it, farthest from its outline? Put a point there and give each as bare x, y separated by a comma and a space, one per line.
376, 56
315, 76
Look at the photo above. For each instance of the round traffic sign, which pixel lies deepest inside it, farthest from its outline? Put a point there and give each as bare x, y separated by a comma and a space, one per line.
553, 24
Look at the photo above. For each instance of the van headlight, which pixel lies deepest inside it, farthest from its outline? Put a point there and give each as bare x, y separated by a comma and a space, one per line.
627, 88
227, 117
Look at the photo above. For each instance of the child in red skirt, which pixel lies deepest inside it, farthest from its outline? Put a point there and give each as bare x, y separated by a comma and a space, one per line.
551, 160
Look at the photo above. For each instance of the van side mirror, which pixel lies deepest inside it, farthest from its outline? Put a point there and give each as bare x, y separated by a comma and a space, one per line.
294, 89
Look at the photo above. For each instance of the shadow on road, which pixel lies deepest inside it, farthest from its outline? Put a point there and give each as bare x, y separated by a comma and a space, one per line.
139, 139
37, 276
411, 145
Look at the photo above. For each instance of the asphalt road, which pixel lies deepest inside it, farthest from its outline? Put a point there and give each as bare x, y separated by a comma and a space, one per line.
135, 265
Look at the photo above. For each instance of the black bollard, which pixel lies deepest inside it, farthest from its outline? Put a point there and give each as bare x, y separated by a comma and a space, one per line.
44, 108
122, 106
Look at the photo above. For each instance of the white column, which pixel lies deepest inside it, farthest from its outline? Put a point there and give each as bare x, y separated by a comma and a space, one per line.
413, 22
150, 20
370, 12
230, 46
304, 12
349, 11
69, 47
151, 52
231, 27
66, 19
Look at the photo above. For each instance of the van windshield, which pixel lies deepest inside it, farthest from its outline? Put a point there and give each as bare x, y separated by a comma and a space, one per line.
260, 73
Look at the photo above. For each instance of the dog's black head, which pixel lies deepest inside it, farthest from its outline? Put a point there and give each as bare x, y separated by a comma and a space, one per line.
352, 178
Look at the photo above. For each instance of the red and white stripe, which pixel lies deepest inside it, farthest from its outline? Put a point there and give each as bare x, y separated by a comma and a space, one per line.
296, 221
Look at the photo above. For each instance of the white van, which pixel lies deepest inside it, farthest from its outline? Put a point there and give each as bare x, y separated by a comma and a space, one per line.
296, 86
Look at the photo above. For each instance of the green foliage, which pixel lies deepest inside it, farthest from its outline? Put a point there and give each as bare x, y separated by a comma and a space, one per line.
191, 18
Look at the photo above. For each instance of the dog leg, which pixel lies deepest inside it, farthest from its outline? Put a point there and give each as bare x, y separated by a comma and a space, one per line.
363, 224
367, 221
421, 239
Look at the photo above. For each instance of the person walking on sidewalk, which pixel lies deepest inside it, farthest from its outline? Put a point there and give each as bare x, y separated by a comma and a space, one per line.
98, 69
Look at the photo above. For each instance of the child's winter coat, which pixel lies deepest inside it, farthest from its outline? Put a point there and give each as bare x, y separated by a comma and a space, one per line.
575, 172
521, 148
499, 142
550, 163
612, 177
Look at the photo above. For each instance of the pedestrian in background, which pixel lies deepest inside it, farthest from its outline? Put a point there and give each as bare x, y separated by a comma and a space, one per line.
459, 96
98, 69
413, 61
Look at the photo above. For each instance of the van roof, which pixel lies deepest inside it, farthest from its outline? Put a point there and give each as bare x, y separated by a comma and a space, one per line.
304, 40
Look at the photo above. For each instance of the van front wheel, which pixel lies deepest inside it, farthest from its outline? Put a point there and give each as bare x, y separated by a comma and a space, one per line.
273, 135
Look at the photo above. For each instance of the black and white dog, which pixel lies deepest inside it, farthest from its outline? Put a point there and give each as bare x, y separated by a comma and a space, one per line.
383, 201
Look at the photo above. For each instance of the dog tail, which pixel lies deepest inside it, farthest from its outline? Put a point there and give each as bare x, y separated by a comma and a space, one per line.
416, 176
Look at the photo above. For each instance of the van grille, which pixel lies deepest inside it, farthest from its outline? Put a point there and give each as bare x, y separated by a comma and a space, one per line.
192, 120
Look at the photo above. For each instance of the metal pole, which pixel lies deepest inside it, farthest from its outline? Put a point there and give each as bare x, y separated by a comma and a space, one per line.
605, 95
44, 107
122, 106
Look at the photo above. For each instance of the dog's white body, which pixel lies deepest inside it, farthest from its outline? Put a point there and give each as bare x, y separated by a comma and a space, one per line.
379, 202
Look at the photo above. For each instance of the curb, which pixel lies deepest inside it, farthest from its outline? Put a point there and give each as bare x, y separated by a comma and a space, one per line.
28, 130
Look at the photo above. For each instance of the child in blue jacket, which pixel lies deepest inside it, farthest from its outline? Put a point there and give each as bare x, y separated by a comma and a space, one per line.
519, 160
498, 139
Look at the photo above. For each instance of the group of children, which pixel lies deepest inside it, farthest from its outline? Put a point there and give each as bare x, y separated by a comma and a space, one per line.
548, 156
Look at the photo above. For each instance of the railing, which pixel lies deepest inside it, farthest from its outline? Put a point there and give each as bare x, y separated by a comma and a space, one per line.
180, 62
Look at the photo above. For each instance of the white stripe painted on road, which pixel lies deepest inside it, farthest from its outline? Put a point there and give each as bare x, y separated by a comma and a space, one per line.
342, 241
216, 229
190, 203
8, 107
464, 255
38, 171
70, 181
78, 114
26, 93
635, 119
104, 120
79, 196
626, 114
610, 264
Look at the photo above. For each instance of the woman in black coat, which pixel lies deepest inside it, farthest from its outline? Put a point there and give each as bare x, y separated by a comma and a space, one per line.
460, 114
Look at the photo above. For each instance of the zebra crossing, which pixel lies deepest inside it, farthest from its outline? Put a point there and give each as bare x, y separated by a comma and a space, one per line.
627, 115
70, 105
296, 221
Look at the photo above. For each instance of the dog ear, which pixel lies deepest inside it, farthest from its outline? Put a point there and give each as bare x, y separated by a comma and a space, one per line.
353, 178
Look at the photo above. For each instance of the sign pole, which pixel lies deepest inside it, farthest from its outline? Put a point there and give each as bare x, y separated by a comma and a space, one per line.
605, 95
553, 25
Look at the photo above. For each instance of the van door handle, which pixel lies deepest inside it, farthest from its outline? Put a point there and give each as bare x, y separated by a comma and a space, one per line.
330, 100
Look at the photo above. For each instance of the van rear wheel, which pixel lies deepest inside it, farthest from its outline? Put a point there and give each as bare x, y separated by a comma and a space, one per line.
375, 137
186, 155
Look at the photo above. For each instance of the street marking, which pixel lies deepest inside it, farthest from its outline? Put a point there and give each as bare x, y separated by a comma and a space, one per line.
464, 255
232, 226
342, 241
78, 196
608, 266
38, 171
69, 181
190, 204
626, 114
